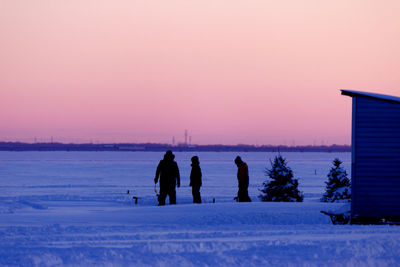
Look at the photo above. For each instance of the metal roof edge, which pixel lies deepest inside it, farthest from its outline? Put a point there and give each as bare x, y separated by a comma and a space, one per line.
353, 93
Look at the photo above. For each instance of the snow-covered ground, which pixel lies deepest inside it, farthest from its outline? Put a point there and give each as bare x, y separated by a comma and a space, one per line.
72, 208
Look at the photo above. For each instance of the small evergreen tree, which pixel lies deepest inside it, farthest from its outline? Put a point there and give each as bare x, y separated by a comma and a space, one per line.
338, 188
282, 187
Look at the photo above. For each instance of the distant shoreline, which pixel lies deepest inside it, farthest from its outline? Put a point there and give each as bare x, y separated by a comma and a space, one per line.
19, 146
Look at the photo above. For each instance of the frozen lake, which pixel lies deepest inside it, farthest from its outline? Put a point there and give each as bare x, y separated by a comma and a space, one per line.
71, 209
106, 176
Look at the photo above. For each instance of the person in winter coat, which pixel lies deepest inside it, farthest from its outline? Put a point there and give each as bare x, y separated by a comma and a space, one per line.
195, 179
243, 180
168, 172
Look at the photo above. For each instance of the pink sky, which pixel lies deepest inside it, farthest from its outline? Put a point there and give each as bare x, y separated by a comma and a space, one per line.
254, 72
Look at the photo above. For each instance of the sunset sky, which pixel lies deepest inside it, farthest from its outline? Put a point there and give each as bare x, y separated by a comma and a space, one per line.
247, 71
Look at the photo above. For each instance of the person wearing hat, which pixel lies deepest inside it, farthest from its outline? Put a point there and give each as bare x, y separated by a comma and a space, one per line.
243, 180
195, 179
168, 172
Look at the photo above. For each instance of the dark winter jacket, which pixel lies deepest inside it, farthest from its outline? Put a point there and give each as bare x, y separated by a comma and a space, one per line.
168, 172
243, 174
195, 176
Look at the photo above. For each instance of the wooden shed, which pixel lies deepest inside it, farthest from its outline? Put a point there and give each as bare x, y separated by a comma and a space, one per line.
375, 169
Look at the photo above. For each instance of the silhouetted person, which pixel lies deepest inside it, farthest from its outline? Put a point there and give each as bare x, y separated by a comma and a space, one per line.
243, 180
168, 172
195, 179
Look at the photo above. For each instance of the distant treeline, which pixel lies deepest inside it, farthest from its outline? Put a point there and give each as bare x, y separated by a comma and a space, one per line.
18, 146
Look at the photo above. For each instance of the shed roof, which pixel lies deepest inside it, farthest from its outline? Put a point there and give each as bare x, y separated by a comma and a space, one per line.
371, 95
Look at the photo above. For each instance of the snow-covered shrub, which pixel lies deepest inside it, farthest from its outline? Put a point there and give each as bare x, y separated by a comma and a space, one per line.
281, 187
338, 188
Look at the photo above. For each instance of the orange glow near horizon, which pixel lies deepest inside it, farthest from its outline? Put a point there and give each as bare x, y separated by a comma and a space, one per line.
250, 72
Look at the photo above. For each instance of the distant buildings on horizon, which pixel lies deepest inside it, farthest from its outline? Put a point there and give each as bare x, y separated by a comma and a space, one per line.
20, 146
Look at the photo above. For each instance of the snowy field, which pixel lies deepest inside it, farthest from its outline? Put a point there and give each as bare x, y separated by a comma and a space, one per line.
72, 209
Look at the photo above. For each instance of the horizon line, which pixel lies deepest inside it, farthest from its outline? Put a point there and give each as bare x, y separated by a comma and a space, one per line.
173, 145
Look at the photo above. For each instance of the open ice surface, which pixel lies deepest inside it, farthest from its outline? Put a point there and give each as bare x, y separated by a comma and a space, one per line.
71, 208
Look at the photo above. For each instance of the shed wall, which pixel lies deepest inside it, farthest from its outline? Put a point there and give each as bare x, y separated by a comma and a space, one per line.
376, 159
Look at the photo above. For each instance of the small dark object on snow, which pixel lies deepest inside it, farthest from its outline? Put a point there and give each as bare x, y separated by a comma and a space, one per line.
338, 218
136, 199
214, 200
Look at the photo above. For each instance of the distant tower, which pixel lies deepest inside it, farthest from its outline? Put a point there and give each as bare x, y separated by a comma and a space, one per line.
186, 137
190, 140
173, 140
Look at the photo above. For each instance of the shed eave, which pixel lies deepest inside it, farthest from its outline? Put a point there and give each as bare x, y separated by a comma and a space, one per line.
383, 97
